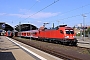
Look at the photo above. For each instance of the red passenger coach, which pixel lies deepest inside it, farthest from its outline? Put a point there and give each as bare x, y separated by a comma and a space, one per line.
28, 34
9, 34
34, 34
24, 33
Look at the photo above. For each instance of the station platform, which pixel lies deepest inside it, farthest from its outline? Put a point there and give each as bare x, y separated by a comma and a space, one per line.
11, 49
83, 42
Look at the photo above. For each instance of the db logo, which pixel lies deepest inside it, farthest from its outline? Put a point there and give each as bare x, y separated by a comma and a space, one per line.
3, 25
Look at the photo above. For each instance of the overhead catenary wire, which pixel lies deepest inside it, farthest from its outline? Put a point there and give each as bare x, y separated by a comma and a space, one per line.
31, 6
74, 9
29, 9
70, 17
71, 11
52, 4
61, 13
74, 16
42, 9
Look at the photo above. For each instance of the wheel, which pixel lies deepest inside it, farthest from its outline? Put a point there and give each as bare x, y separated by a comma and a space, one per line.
75, 44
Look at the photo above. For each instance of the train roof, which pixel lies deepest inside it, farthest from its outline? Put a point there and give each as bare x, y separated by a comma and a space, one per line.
58, 27
62, 25
68, 28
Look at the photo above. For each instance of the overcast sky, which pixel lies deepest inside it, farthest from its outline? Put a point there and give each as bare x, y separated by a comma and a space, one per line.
37, 12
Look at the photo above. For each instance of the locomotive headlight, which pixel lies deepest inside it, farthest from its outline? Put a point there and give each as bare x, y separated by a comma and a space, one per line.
66, 36
74, 36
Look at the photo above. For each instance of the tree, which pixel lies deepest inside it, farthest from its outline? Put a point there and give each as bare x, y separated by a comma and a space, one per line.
87, 31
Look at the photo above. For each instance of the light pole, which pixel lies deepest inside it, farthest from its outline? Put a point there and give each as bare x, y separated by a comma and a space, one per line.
30, 33
13, 30
30, 29
58, 22
83, 26
81, 30
20, 28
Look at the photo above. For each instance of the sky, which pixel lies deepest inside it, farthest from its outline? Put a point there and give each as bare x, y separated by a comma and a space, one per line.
37, 12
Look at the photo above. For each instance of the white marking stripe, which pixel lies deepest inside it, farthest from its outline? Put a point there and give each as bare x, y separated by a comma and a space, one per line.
40, 57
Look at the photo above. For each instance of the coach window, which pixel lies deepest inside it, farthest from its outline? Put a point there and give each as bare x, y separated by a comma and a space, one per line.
39, 32
61, 31
35, 33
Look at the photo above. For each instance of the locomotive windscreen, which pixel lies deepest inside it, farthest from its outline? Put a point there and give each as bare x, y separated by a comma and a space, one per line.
69, 32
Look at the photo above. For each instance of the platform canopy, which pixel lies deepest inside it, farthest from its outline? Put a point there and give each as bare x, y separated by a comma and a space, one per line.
25, 27
6, 27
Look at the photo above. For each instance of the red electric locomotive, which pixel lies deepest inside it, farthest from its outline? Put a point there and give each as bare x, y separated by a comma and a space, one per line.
61, 34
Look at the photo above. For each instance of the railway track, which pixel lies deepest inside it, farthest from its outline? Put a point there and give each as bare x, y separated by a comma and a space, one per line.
61, 51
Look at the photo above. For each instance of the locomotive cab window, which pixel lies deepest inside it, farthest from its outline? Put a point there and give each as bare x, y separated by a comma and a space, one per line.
72, 32
69, 32
61, 32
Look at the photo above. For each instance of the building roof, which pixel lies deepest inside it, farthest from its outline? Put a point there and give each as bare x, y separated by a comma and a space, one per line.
5, 26
25, 27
